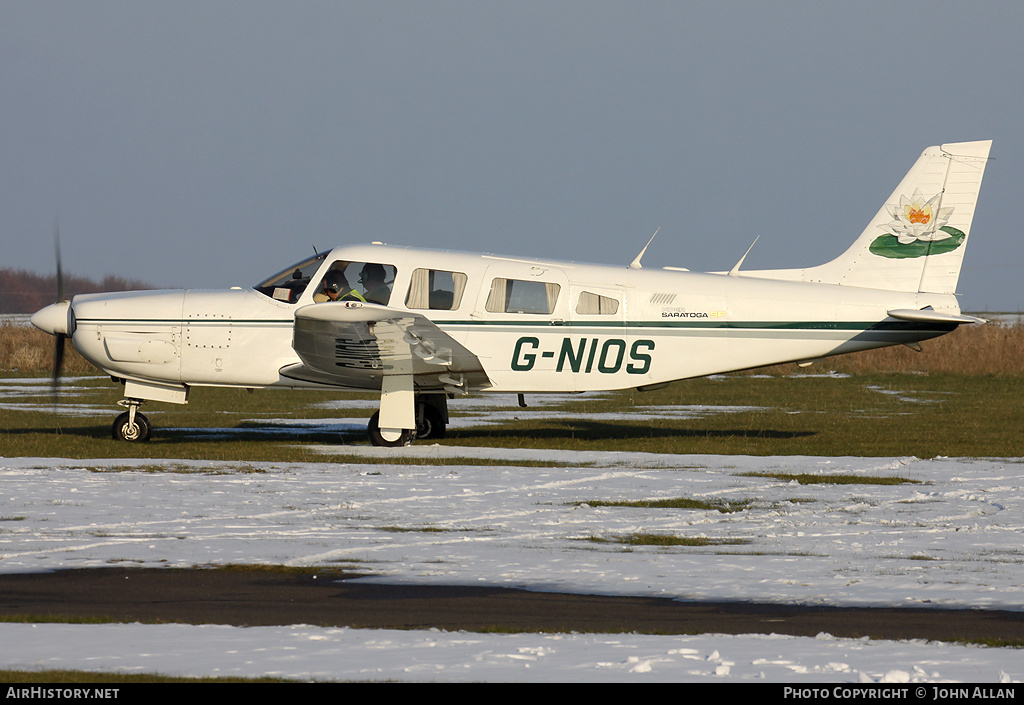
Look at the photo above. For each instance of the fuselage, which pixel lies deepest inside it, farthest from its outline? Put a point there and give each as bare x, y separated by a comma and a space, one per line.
535, 326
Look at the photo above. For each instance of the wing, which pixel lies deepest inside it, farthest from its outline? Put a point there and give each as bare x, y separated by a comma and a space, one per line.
357, 345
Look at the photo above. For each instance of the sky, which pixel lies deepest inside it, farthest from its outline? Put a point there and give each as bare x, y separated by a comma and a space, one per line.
209, 144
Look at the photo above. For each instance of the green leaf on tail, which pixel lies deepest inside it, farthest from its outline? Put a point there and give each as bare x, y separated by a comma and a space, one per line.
889, 245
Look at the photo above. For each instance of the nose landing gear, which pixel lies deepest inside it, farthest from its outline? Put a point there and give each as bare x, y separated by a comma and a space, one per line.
132, 426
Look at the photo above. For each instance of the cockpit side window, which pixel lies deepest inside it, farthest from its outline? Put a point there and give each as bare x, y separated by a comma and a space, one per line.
335, 286
375, 281
288, 285
356, 281
436, 289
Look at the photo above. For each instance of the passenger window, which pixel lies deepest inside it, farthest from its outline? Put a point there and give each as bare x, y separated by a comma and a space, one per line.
436, 289
589, 304
518, 296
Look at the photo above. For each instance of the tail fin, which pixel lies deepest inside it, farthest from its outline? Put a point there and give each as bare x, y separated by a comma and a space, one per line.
916, 242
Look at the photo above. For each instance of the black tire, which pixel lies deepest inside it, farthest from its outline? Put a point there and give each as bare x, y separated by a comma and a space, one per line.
429, 423
138, 434
373, 431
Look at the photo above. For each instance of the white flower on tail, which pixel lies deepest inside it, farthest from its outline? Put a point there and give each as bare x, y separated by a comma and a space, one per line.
916, 219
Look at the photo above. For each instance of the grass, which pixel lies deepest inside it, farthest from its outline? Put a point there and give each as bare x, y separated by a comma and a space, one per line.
57, 619
924, 416
104, 678
725, 507
990, 349
808, 479
26, 350
177, 469
794, 416
420, 530
667, 540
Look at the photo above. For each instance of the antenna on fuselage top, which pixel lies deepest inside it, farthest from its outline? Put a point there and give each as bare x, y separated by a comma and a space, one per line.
315, 251
736, 268
635, 264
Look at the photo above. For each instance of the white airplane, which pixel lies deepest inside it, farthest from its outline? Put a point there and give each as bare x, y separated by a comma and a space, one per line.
420, 326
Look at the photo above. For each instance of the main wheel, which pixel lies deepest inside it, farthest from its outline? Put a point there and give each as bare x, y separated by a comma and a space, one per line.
133, 433
405, 438
429, 422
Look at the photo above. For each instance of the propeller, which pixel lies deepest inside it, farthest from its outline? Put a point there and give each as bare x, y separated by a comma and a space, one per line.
57, 319
58, 338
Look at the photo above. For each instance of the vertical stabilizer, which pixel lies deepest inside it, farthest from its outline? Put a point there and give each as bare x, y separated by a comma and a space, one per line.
916, 242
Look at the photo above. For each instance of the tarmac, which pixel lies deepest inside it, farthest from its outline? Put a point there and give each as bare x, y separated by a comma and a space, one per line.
248, 596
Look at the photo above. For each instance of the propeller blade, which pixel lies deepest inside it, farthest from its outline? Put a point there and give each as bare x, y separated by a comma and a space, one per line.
56, 250
58, 359
58, 338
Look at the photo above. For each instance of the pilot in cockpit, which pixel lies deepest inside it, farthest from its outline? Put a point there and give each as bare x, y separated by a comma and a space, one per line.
335, 287
375, 288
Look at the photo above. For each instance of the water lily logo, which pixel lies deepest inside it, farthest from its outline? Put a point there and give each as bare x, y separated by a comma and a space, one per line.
918, 228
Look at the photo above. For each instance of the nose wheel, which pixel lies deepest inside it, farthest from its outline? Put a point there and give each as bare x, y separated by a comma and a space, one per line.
132, 426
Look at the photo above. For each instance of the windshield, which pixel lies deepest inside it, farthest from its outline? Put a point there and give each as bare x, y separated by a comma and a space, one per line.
288, 284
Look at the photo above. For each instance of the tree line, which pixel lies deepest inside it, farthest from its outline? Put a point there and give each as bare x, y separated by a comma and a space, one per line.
27, 292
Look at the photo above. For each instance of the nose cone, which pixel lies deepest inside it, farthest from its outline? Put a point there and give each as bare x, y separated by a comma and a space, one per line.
53, 319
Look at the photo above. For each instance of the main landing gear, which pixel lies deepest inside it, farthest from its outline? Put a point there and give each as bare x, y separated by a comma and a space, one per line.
132, 426
431, 423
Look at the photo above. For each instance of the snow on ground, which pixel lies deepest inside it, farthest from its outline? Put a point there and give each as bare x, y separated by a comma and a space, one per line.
317, 653
953, 537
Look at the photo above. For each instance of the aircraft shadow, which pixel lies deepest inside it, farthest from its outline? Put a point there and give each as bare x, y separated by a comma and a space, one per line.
225, 434
606, 431
576, 429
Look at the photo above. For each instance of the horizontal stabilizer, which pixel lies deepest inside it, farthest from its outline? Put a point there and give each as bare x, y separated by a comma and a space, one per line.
928, 315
